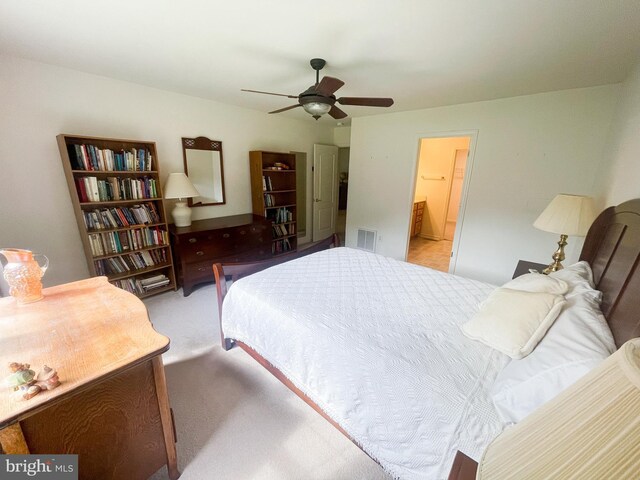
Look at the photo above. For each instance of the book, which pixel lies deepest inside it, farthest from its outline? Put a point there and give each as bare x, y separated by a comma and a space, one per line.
92, 191
82, 190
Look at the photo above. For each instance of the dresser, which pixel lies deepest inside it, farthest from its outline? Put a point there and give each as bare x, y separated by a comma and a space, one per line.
237, 238
111, 408
416, 217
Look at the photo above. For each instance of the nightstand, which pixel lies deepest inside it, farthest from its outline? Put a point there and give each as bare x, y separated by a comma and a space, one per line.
463, 468
524, 266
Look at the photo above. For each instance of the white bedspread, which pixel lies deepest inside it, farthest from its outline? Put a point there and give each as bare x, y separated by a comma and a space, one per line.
376, 344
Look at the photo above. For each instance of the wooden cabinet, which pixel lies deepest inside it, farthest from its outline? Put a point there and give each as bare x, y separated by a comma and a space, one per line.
273, 195
117, 200
416, 218
237, 238
112, 407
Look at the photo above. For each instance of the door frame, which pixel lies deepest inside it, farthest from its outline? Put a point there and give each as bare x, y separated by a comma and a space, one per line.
473, 140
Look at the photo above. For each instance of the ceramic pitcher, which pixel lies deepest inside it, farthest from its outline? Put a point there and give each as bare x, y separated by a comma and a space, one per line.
23, 273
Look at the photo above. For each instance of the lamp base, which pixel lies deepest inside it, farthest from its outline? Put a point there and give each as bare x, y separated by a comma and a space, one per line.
558, 257
181, 214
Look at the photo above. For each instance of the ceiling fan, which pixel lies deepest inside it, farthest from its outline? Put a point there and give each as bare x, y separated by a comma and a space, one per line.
319, 99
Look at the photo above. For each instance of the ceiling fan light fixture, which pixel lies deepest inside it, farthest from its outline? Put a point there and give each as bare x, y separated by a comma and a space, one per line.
319, 98
317, 109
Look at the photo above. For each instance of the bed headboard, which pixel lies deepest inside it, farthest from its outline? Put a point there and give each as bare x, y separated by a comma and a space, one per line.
612, 248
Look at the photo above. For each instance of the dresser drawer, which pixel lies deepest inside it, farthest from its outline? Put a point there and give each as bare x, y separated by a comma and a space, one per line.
203, 269
200, 271
222, 246
196, 241
202, 251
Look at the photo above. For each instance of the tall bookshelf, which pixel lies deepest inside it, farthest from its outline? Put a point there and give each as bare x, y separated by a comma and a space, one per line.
273, 195
117, 200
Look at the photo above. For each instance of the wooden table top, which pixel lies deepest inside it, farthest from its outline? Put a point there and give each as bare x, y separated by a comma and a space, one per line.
87, 330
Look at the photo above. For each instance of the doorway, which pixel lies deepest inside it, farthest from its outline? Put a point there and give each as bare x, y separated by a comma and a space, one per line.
438, 195
343, 188
325, 191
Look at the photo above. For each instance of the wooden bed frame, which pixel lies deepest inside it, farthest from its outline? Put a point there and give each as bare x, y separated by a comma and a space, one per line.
612, 248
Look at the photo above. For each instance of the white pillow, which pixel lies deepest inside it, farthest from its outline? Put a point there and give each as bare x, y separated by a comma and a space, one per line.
579, 277
576, 343
537, 282
513, 321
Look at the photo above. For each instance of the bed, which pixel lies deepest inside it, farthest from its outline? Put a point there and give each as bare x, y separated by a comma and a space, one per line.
375, 345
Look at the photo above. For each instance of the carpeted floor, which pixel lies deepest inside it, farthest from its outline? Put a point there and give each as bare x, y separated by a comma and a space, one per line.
234, 420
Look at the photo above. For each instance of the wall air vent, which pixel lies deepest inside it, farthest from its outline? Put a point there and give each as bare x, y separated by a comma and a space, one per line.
366, 240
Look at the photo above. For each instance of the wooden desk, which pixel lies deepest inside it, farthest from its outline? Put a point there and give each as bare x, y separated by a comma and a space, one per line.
112, 407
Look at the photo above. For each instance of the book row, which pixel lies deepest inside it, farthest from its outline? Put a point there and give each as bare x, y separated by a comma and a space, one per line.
266, 183
281, 246
140, 286
118, 217
269, 200
281, 215
90, 157
127, 240
131, 261
283, 229
92, 189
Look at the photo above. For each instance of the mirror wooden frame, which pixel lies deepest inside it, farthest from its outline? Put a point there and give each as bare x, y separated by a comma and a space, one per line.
204, 143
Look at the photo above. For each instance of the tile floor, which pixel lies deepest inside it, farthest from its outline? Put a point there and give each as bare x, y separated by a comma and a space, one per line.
430, 253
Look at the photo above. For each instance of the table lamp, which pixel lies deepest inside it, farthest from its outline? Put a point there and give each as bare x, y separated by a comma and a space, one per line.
589, 431
179, 186
565, 215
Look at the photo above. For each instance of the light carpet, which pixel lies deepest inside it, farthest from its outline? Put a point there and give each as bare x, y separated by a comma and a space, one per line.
234, 420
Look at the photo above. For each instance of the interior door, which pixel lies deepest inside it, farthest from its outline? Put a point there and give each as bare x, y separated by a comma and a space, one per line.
455, 193
325, 190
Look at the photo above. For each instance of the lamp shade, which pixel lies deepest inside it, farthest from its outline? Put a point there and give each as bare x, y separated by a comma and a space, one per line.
178, 185
591, 430
567, 215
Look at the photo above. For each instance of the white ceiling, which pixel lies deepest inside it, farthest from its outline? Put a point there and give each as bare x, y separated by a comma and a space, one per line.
423, 53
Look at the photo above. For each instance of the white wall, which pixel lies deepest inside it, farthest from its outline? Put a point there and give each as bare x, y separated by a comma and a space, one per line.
39, 101
620, 176
342, 136
528, 149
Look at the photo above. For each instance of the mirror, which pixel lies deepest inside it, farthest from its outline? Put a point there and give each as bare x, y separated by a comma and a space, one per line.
203, 166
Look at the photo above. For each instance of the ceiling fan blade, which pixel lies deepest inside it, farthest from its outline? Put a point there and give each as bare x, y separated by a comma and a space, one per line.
336, 113
366, 102
328, 85
269, 93
286, 108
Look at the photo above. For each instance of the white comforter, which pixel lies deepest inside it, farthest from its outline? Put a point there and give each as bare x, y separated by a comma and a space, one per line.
376, 344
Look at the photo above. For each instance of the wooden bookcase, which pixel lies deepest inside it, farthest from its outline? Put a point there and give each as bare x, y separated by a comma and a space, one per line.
117, 200
273, 195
